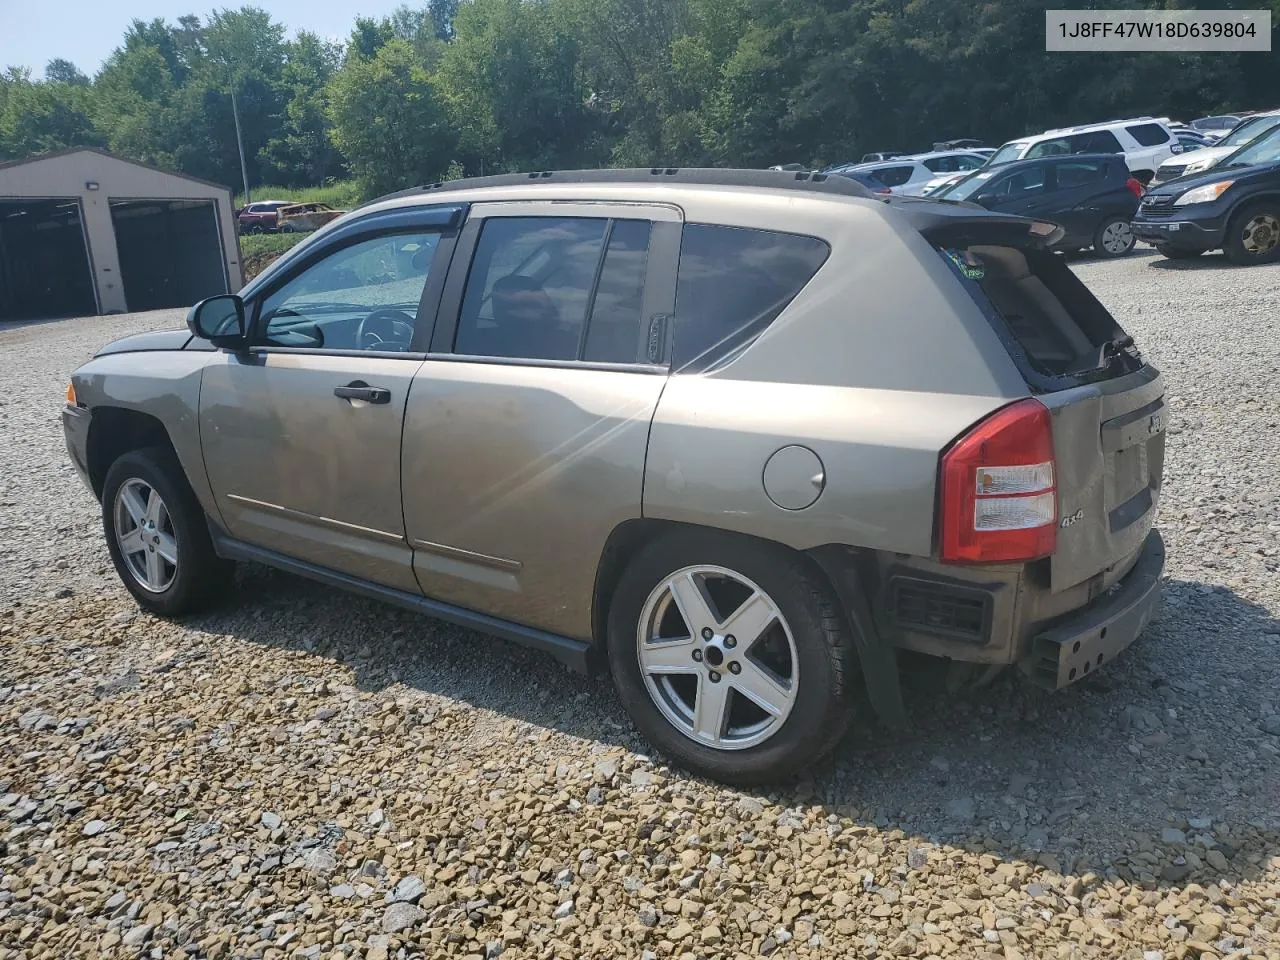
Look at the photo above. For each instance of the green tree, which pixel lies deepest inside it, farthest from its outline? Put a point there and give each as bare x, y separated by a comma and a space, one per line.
389, 120
302, 152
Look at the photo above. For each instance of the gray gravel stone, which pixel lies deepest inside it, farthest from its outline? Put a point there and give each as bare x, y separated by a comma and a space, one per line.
311, 704
401, 916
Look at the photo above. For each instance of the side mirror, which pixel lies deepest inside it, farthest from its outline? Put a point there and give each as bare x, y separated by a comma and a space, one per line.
220, 320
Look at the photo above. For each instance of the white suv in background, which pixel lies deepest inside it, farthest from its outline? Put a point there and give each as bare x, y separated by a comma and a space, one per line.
1146, 142
1207, 158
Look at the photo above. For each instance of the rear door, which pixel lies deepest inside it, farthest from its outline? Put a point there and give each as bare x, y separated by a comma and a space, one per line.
1089, 191
526, 430
1107, 405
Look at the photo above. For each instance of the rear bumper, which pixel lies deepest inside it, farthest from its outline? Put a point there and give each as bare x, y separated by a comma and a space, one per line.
1071, 647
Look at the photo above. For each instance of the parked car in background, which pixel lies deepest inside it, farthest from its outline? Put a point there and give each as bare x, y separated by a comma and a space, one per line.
1235, 207
789, 167
961, 144
622, 416
909, 175
881, 155
1191, 140
867, 180
305, 217
1145, 142
1091, 196
1217, 126
260, 217
1246, 130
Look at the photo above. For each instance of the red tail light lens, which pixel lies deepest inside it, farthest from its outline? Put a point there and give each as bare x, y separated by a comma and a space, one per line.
1135, 187
999, 499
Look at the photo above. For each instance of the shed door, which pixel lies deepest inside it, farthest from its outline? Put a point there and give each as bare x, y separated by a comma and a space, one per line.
170, 252
44, 263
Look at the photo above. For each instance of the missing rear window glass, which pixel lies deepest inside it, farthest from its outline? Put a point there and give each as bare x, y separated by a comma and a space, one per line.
1054, 327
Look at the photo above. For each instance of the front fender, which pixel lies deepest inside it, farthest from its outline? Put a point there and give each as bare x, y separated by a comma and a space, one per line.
162, 384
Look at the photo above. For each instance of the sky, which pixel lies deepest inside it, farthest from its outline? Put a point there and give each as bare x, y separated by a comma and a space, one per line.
33, 32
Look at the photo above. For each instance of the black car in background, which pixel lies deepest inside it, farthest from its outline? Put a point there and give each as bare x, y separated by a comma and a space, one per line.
1234, 207
1092, 196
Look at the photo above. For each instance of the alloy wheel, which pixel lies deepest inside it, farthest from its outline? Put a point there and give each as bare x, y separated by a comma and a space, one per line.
145, 535
717, 657
1261, 234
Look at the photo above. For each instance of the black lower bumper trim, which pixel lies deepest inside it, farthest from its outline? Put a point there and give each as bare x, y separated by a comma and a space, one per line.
1073, 647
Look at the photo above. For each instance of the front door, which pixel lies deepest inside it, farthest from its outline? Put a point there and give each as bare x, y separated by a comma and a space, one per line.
301, 434
526, 429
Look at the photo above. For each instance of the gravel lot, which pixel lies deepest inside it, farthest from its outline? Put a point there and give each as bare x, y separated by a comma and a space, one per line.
304, 774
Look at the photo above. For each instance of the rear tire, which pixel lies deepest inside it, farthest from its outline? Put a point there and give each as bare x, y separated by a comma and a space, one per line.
1253, 235
1114, 238
683, 693
1177, 253
157, 535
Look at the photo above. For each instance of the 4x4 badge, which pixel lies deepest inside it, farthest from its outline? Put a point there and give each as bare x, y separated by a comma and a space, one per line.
1068, 521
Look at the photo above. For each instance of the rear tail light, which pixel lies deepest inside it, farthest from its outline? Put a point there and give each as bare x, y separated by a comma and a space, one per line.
999, 499
884, 190
1135, 187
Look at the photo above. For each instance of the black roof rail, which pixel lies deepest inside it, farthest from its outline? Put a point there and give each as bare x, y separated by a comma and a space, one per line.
807, 181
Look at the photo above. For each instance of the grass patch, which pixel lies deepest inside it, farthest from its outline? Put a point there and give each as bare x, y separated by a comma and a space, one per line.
341, 194
260, 249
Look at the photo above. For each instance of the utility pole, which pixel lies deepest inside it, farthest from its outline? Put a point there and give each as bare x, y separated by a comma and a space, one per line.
244, 170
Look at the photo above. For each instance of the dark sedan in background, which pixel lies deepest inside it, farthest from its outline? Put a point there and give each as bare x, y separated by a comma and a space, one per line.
1234, 207
1092, 196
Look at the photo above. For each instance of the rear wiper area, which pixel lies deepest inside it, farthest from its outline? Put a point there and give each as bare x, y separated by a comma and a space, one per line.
1102, 357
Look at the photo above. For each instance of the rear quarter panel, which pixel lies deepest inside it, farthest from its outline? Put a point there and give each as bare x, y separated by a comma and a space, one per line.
162, 384
876, 366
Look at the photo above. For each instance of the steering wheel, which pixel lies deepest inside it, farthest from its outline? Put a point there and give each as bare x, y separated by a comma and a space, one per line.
385, 329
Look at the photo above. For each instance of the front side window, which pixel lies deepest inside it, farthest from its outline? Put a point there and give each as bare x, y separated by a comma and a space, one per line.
556, 288
361, 297
732, 283
1020, 185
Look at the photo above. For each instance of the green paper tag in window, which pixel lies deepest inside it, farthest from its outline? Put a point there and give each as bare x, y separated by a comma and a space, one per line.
967, 263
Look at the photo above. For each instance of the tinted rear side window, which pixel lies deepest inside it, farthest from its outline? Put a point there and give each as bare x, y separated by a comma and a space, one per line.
732, 283
1148, 134
893, 176
1081, 173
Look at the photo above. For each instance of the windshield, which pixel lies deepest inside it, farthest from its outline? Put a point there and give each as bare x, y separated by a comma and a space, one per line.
1249, 130
966, 188
1007, 154
1266, 149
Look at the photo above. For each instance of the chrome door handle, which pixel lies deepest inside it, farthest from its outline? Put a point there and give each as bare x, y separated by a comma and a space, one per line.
359, 390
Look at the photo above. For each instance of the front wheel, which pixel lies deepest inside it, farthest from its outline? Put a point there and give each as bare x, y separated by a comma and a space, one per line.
1253, 235
157, 535
732, 657
1114, 238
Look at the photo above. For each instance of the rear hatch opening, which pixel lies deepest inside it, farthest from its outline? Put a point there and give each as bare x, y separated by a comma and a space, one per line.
1106, 405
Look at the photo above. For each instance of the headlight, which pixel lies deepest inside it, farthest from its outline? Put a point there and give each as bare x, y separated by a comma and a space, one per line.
1197, 166
1206, 194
